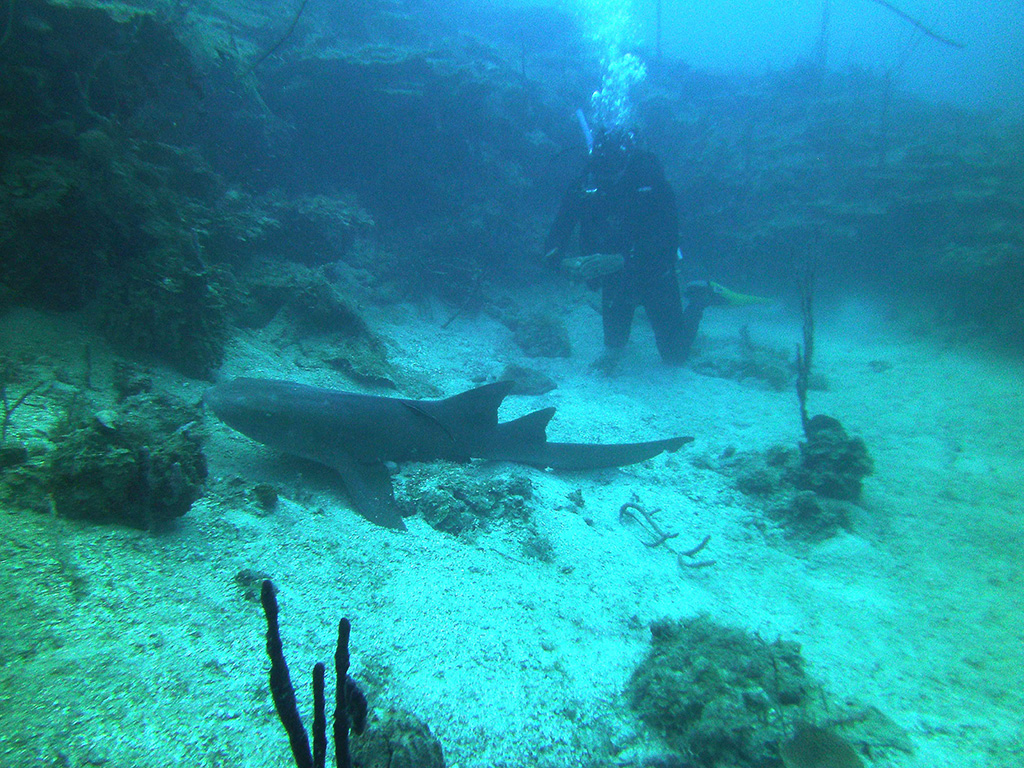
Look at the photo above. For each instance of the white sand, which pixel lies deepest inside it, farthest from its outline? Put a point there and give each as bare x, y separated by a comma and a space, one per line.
125, 648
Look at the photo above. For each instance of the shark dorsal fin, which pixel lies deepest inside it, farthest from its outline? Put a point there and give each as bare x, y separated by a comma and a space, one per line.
470, 411
528, 429
479, 404
468, 419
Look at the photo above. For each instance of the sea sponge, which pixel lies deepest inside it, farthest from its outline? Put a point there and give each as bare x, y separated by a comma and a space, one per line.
814, 747
140, 465
719, 695
832, 463
458, 499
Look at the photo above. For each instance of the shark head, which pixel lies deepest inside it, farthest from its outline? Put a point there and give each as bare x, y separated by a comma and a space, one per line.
257, 409
328, 426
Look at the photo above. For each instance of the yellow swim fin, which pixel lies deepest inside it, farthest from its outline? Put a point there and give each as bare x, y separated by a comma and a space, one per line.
717, 295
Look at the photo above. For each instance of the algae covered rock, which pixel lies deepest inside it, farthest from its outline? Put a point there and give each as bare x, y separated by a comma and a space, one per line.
364, 360
396, 739
806, 515
717, 694
814, 747
313, 229
832, 463
456, 500
526, 381
541, 335
746, 360
807, 492
172, 304
318, 305
140, 465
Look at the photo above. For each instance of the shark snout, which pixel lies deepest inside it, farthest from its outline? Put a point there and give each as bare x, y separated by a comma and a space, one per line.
212, 399
225, 400
244, 404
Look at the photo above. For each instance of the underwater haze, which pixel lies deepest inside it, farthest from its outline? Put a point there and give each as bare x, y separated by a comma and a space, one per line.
578, 384
864, 34
752, 36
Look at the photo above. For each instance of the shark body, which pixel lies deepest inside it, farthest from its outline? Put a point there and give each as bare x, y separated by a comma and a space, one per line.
356, 434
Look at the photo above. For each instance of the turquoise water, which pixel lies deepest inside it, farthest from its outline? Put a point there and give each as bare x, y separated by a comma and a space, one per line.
356, 197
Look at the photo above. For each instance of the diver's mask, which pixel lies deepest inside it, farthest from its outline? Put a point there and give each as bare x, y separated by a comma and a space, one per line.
610, 156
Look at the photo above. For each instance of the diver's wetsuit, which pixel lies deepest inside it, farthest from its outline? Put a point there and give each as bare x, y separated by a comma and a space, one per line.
632, 213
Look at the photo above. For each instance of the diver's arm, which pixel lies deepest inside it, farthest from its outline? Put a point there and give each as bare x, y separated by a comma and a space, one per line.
660, 229
668, 215
565, 223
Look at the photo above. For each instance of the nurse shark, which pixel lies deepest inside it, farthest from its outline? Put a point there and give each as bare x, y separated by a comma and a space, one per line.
356, 434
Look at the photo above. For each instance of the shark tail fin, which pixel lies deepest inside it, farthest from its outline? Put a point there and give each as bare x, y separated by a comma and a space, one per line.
576, 456
524, 440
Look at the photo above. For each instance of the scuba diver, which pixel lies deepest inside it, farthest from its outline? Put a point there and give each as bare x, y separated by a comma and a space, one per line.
628, 238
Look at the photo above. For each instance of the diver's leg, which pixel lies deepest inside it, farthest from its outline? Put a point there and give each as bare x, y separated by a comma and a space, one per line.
674, 328
618, 303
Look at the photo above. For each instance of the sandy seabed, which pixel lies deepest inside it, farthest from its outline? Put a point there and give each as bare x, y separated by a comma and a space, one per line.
125, 648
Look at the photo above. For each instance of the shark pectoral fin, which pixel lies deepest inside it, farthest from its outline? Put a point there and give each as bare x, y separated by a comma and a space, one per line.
369, 489
597, 456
